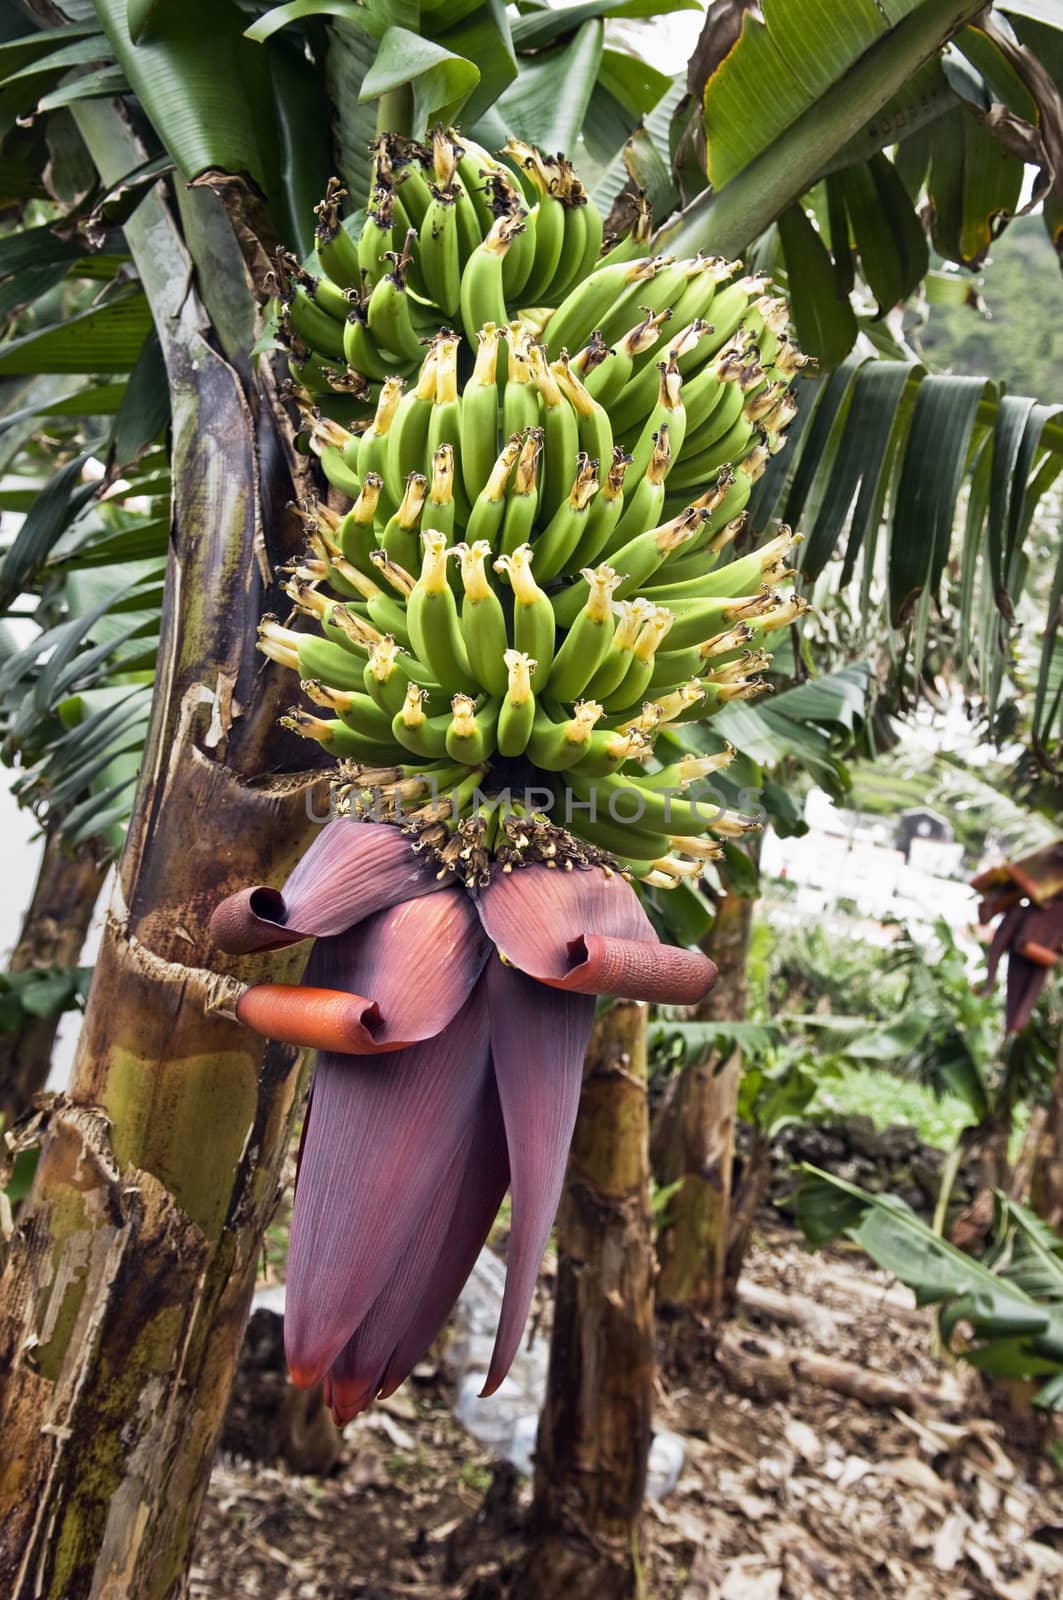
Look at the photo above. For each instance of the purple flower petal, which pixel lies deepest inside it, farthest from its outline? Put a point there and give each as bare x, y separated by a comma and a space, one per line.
586, 931
416, 961
538, 1041
411, 1309
351, 870
383, 1133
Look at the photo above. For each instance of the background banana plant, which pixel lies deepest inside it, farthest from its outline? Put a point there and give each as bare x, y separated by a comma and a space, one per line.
1002, 1314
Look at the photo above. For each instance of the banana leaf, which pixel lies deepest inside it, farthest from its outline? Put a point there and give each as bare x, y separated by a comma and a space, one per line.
1012, 1302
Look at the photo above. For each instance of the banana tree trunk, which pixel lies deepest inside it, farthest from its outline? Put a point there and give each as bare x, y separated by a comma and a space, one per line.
699, 1156
126, 1284
53, 933
596, 1426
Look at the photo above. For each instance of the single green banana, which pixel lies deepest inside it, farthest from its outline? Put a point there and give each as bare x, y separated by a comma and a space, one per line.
607, 291
642, 509
604, 515
562, 535
489, 507
473, 734
518, 711
401, 539
558, 745
388, 312
637, 560
483, 621
560, 433
439, 253
373, 444
355, 535
587, 642
592, 420
377, 237
479, 414
547, 218
669, 412
408, 435
533, 616
439, 510
520, 401
523, 502
333, 245
432, 619
482, 298
633, 685
339, 740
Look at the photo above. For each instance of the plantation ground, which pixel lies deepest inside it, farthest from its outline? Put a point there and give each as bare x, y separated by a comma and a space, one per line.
790, 1491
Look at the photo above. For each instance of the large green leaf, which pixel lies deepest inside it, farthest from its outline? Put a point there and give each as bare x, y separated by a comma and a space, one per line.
106, 338
50, 513
823, 316
788, 53
279, 17
543, 25
548, 101
1011, 1303
441, 82
202, 85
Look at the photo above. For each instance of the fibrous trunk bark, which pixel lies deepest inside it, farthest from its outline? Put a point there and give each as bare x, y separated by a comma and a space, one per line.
596, 1426
695, 1277
126, 1284
53, 933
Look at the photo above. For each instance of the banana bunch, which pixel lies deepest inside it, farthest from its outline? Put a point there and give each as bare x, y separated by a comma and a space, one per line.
534, 577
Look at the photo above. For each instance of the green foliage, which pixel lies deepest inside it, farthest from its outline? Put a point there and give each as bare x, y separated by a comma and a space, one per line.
1018, 336
40, 992
1003, 1315
888, 1098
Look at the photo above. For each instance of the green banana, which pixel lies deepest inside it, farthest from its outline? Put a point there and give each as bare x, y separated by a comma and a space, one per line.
401, 540
585, 646
561, 439
438, 510
333, 245
592, 420
472, 735
533, 616
604, 514
388, 312
483, 622
439, 252
482, 298
557, 746
373, 444
489, 507
601, 296
669, 412
518, 706
355, 534
633, 685
610, 377
631, 614
432, 619
377, 236
520, 401
523, 502
479, 414
408, 434
562, 535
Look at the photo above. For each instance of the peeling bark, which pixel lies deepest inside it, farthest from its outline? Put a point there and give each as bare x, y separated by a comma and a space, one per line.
126, 1284
53, 932
596, 1426
695, 1276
